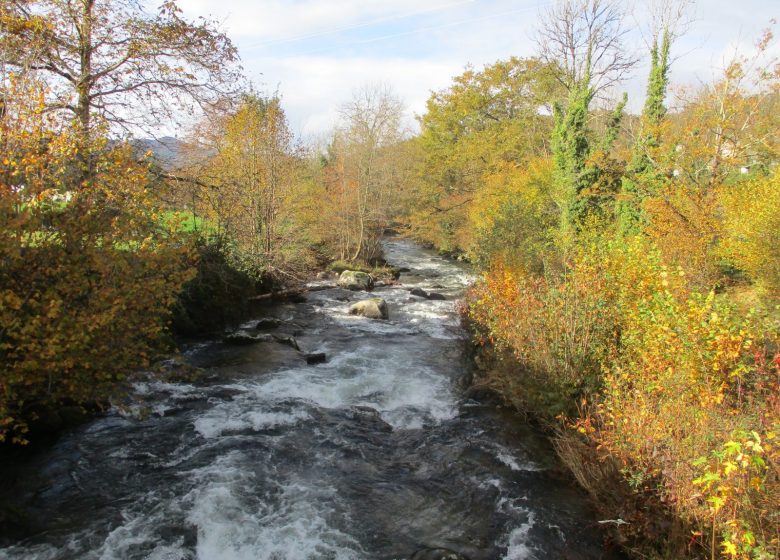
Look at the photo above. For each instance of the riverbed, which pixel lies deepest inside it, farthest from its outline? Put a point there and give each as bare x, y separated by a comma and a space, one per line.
374, 454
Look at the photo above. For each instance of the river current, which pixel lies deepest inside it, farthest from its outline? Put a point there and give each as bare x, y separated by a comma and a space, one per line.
374, 454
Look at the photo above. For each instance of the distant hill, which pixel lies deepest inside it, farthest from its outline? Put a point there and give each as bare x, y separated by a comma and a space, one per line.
167, 151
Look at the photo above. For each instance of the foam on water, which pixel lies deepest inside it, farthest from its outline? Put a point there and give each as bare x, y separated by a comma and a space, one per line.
231, 418
136, 532
517, 544
518, 540
231, 526
404, 399
511, 460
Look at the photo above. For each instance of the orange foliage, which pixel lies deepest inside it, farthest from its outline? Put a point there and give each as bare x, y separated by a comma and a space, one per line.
88, 272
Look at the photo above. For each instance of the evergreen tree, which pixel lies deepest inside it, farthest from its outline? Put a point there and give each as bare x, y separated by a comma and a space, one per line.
643, 173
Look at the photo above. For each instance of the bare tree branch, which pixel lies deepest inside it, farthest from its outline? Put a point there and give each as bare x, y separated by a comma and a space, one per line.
584, 39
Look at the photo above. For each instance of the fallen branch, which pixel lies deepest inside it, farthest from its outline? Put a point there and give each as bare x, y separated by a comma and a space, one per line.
293, 292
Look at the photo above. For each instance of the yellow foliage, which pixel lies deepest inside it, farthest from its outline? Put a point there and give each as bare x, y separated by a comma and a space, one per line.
87, 275
752, 228
669, 375
514, 215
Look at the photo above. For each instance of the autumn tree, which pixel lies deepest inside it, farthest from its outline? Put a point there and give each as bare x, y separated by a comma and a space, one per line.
668, 20
116, 60
89, 270
362, 167
243, 174
725, 131
480, 131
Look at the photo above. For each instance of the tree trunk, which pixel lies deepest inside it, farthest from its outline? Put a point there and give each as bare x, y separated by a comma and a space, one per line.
84, 85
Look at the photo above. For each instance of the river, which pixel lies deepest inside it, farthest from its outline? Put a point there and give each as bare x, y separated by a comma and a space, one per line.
374, 454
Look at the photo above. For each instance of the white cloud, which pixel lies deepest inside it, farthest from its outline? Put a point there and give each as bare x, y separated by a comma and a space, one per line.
275, 20
314, 87
318, 51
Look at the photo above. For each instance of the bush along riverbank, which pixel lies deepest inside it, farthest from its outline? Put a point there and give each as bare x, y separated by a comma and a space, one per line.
664, 402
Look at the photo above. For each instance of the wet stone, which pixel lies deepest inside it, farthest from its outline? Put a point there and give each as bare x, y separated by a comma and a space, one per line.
316, 358
267, 324
437, 554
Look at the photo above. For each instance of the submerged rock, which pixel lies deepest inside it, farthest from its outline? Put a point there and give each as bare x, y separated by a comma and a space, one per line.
419, 292
437, 554
241, 338
374, 308
315, 358
267, 324
356, 280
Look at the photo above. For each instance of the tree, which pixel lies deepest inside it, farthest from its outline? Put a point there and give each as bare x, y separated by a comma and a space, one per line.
244, 174
668, 22
480, 130
89, 269
583, 39
724, 132
115, 60
752, 229
362, 150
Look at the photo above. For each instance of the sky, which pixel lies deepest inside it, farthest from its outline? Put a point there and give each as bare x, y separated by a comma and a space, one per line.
316, 53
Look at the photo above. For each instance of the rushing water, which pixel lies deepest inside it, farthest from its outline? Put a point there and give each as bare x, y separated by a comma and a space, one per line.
372, 455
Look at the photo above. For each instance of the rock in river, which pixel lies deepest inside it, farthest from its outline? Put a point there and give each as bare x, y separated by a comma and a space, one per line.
356, 280
374, 308
267, 324
437, 554
419, 292
315, 358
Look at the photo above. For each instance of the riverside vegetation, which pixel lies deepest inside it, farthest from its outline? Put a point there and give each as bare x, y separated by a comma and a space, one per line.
629, 264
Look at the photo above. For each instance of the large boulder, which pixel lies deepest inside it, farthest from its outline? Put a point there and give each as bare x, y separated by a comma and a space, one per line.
356, 280
374, 308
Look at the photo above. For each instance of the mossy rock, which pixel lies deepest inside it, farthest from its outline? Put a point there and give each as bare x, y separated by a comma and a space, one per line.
356, 280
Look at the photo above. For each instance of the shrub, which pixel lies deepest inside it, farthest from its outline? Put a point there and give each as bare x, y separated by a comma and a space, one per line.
678, 387
752, 228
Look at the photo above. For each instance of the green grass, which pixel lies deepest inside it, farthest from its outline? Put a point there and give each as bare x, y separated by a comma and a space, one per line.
186, 222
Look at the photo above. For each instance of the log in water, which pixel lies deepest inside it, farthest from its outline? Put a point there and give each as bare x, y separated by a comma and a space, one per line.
373, 454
